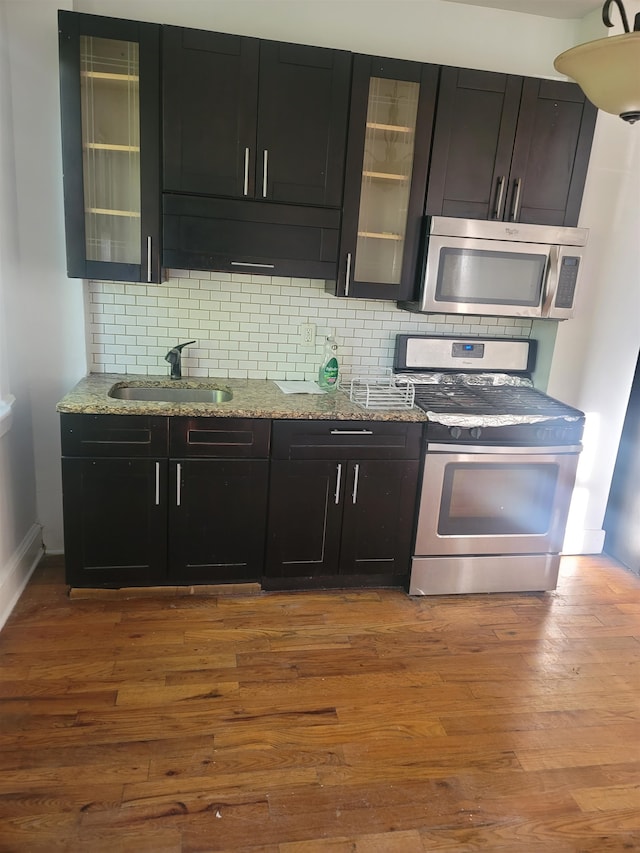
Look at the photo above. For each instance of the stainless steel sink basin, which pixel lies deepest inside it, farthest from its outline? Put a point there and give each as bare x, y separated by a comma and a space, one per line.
162, 394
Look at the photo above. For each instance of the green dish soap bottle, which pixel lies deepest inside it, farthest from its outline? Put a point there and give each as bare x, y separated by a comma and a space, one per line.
329, 369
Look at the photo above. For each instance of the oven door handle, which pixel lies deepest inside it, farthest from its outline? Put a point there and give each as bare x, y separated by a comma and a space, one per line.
539, 449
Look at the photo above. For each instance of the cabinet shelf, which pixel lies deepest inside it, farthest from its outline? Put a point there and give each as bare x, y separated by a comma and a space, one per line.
107, 146
385, 176
111, 75
104, 211
395, 128
380, 235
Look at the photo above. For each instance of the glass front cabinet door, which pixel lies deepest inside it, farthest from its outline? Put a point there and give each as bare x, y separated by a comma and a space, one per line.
390, 128
110, 108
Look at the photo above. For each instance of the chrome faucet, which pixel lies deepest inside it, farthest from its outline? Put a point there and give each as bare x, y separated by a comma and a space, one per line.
174, 359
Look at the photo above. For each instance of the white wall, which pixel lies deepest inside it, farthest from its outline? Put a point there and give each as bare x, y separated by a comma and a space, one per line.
596, 353
426, 30
20, 537
53, 349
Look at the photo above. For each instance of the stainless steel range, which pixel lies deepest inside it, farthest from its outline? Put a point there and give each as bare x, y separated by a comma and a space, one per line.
499, 468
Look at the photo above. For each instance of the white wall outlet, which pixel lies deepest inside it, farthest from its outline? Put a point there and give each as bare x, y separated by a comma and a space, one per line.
307, 334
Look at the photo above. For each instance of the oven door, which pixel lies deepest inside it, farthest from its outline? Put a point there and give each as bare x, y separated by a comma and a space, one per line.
490, 500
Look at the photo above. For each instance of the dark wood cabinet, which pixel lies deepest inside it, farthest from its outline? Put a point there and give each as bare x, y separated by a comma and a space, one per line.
114, 481
509, 148
254, 149
136, 516
249, 118
342, 503
218, 505
390, 127
110, 111
249, 236
114, 522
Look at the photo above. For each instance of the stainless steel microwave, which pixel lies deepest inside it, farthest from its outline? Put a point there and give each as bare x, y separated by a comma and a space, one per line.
472, 266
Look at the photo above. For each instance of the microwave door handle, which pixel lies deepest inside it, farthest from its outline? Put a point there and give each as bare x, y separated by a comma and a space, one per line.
551, 281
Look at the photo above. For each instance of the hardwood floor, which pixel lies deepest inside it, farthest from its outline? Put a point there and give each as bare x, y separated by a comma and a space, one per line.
360, 721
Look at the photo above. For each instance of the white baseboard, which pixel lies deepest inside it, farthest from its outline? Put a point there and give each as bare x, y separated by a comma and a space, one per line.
15, 575
584, 542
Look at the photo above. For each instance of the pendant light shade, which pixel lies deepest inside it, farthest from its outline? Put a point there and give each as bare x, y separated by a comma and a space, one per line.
608, 70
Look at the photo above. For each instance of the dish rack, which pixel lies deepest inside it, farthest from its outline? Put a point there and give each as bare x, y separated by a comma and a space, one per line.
380, 391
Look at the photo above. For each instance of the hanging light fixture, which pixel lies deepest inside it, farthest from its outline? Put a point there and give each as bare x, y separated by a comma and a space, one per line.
608, 70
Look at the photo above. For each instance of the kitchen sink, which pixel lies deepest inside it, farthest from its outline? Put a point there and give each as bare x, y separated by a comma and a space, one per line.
164, 394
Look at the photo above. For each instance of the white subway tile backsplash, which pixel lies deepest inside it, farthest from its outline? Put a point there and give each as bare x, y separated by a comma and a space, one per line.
248, 326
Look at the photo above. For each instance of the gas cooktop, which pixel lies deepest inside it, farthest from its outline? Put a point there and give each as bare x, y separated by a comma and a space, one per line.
493, 399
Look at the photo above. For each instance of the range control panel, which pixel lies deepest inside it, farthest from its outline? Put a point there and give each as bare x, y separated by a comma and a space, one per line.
428, 352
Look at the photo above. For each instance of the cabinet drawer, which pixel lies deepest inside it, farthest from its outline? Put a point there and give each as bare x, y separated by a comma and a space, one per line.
250, 236
235, 438
346, 440
114, 435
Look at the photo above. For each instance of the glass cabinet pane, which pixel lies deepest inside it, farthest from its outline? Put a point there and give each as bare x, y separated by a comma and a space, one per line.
111, 148
386, 179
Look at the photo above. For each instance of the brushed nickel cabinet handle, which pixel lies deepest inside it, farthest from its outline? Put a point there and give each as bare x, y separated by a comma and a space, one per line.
356, 477
149, 269
338, 479
515, 209
157, 484
347, 278
178, 483
500, 185
258, 266
246, 172
351, 432
265, 166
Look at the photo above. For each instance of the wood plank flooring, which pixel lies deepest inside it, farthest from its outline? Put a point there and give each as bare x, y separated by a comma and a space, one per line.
342, 721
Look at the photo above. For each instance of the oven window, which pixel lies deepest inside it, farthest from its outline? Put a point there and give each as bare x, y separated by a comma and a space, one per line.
497, 499
490, 277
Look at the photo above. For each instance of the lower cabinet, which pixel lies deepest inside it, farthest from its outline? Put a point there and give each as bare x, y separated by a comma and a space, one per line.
217, 520
114, 521
152, 501
342, 500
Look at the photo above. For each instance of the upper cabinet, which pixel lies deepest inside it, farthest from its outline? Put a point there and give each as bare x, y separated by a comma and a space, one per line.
390, 126
110, 104
254, 149
246, 118
509, 148
190, 149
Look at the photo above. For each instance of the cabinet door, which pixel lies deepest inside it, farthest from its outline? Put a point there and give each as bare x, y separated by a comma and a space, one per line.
380, 500
305, 510
551, 153
217, 520
390, 127
473, 141
115, 515
302, 125
110, 106
210, 102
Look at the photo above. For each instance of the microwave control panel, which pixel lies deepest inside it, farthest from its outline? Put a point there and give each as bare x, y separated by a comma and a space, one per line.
567, 279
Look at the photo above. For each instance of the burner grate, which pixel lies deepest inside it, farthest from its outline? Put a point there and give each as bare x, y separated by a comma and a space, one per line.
490, 400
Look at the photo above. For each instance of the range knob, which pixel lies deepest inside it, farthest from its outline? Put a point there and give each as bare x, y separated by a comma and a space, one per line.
475, 432
455, 432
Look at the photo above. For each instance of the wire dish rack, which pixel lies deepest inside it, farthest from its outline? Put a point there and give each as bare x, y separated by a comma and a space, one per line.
379, 391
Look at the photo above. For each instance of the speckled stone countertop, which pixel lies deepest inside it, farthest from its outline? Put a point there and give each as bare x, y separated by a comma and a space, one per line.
252, 398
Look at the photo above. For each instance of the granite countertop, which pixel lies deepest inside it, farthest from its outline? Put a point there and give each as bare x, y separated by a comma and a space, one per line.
252, 398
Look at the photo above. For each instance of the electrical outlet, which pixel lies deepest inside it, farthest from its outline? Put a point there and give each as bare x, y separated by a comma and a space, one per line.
307, 334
